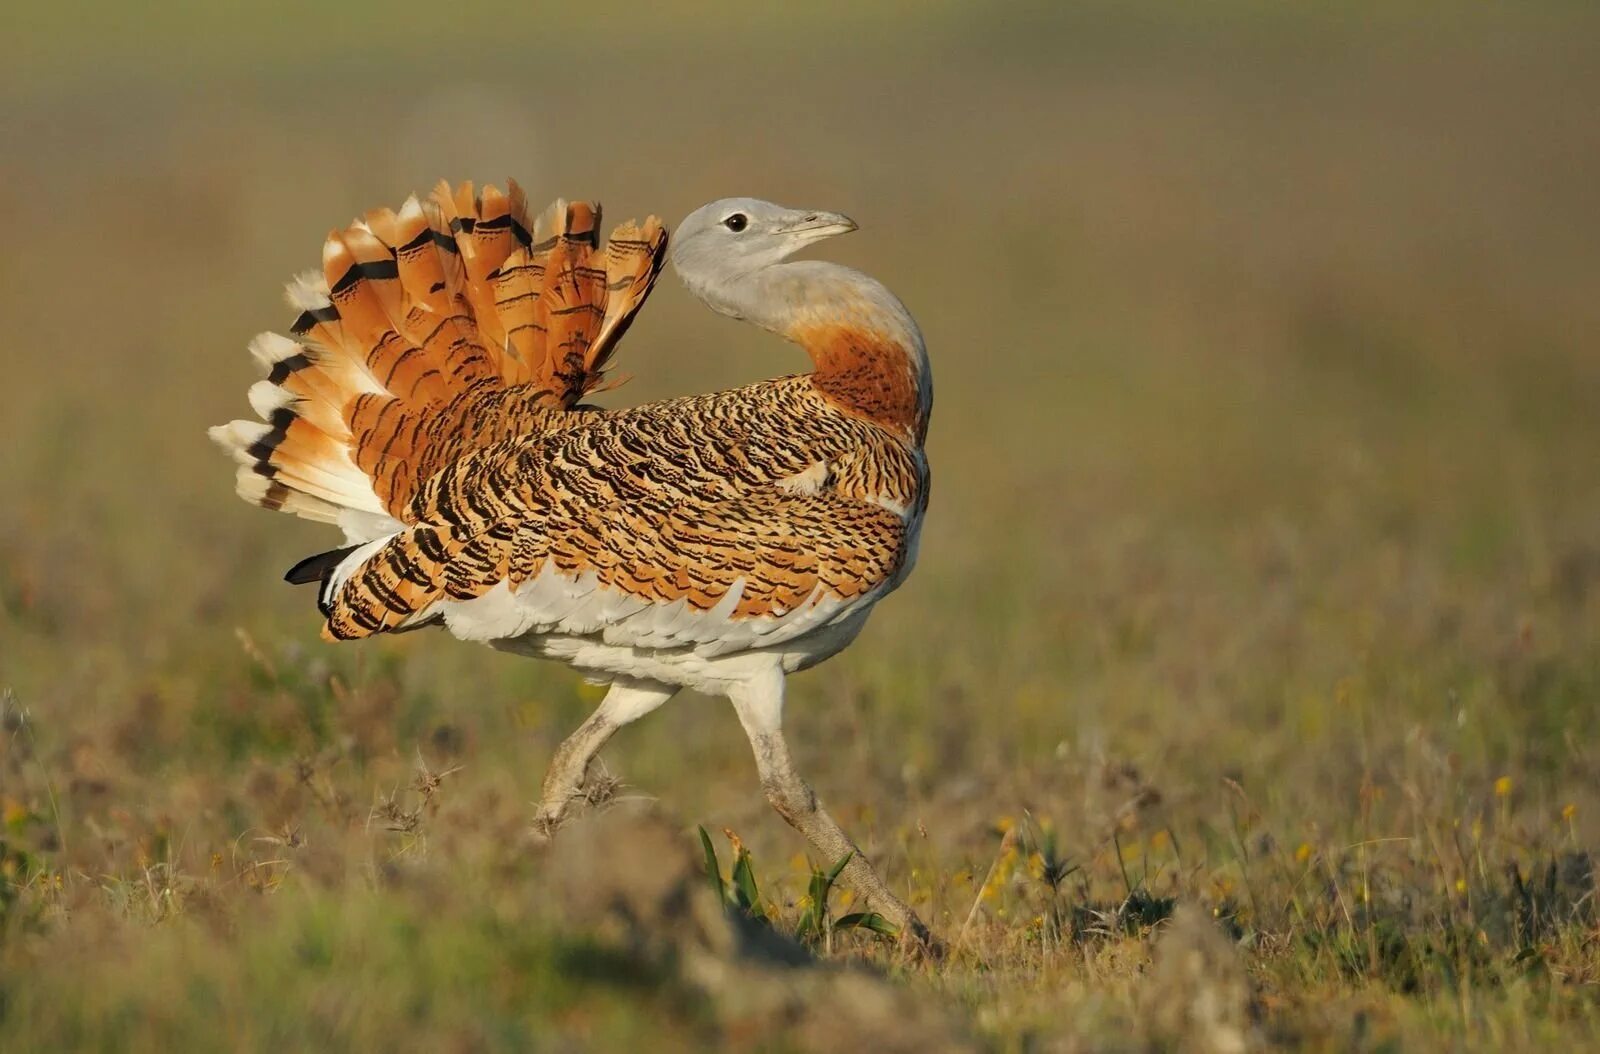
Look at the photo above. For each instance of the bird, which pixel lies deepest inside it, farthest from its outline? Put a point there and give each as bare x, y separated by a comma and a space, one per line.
428, 402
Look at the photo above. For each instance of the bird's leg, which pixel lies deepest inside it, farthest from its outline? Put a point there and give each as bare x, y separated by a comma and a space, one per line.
759, 703
627, 701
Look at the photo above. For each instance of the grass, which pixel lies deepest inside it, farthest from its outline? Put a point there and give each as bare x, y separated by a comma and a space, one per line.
1241, 697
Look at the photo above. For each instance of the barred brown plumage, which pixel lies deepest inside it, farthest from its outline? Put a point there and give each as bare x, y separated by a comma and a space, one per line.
425, 336
429, 405
688, 525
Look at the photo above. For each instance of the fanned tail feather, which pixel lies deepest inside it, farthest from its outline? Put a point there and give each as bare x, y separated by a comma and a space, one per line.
429, 332
634, 257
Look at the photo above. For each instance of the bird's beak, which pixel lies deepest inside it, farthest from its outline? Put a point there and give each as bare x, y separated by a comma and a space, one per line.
814, 226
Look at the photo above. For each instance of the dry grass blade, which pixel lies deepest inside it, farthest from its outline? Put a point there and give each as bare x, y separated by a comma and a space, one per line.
1008, 848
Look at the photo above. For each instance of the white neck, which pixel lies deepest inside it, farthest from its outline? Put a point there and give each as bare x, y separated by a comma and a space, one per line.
815, 304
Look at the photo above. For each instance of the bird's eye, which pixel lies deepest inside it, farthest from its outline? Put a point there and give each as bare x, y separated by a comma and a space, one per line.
736, 222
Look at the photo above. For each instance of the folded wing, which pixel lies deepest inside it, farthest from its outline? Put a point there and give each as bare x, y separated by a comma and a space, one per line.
563, 534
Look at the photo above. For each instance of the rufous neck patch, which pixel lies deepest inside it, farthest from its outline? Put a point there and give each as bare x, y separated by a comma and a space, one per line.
866, 374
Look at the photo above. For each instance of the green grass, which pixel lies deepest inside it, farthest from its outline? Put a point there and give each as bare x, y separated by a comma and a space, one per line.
1243, 694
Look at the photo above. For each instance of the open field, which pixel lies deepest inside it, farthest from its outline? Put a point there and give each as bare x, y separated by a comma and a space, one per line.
1261, 580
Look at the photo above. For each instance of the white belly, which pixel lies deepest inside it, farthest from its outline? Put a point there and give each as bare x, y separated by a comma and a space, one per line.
688, 667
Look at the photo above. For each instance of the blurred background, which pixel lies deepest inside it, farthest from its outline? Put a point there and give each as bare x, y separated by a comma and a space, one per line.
1265, 444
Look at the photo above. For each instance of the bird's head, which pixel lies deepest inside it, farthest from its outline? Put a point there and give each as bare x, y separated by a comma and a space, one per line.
719, 244
731, 255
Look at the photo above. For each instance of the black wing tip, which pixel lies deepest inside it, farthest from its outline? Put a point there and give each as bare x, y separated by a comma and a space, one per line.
317, 568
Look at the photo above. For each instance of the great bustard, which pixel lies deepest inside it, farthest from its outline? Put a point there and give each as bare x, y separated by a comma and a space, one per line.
428, 404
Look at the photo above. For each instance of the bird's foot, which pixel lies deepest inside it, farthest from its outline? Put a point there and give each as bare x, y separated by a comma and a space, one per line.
918, 943
544, 826
597, 789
